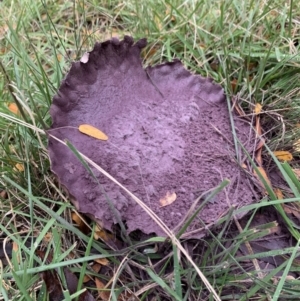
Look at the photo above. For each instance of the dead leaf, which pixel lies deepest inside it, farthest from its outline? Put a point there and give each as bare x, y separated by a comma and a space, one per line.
83, 227
96, 268
102, 261
13, 108
92, 132
20, 167
103, 292
87, 278
283, 155
48, 237
168, 199
102, 234
107, 237
257, 108
278, 193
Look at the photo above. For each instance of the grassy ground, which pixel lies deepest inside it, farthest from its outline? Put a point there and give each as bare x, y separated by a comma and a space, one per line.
249, 47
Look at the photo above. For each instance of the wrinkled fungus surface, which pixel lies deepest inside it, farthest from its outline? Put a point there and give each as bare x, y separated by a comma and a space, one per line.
169, 131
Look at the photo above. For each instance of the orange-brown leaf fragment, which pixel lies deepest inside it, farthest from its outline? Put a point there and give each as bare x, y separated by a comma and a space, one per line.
92, 132
102, 261
48, 237
96, 268
283, 155
103, 293
13, 108
257, 109
278, 193
104, 235
83, 227
168, 199
19, 167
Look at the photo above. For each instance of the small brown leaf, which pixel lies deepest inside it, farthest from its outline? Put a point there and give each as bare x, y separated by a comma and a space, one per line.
102, 261
107, 237
48, 237
13, 108
92, 132
19, 167
83, 227
103, 292
168, 199
283, 155
96, 268
101, 233
278, 193
257, 108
